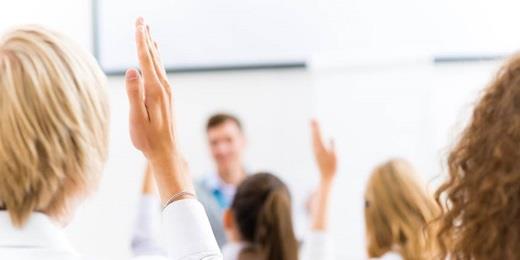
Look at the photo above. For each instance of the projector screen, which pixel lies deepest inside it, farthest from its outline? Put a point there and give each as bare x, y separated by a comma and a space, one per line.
207, 34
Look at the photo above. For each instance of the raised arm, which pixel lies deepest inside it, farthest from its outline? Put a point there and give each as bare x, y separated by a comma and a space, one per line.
317, 244
325, 156
144, 241
153, 131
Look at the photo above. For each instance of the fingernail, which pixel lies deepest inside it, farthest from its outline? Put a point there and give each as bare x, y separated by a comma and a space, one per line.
131, 74
140, 20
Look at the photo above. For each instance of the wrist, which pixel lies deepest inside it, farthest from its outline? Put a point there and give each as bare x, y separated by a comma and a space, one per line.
163, 156
326, 182
182, 195
171, 175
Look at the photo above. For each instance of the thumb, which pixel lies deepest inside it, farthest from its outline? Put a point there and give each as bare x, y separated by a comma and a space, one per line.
135, 92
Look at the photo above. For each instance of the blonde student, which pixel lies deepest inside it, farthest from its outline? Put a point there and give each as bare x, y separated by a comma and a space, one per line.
398, 213
54, 118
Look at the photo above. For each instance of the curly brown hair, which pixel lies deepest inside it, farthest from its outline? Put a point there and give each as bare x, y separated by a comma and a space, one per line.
481, 199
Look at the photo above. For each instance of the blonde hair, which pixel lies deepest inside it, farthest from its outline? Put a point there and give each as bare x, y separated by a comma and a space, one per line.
397, 213
54, 123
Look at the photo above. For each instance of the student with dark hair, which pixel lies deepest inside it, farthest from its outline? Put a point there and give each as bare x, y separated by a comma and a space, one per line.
259, 223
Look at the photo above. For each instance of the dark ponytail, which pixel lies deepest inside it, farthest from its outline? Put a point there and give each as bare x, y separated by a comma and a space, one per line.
262, 210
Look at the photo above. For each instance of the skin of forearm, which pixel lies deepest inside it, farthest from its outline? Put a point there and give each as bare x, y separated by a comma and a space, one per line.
148, 182
321, 212
169, 175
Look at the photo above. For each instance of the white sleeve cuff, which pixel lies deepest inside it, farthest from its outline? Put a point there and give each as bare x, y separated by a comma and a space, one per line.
317, 245
187, 231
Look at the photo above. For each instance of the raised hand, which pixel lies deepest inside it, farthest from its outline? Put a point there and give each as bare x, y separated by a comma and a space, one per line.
325, 155
151, 121
152, 124
327, 163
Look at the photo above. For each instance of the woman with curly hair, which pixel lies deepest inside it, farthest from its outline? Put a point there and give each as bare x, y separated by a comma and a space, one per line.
481, 199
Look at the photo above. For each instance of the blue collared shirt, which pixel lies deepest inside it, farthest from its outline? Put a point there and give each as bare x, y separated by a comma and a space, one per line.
222, 192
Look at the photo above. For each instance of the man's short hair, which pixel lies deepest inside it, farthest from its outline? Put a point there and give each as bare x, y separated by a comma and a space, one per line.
221, 118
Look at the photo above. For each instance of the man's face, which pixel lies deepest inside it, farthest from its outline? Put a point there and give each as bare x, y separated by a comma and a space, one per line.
227, 144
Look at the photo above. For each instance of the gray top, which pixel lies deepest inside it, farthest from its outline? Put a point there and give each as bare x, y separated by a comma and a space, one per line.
208, 192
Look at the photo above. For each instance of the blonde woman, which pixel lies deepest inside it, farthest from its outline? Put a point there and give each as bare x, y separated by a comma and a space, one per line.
53, 144
398, 212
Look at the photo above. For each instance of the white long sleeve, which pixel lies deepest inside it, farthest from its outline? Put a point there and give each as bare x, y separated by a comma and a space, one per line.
317, 245
187, 232
185, 224
144, 241
185, 228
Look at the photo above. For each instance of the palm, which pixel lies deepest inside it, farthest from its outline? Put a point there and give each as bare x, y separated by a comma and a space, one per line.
149, 92
325, 155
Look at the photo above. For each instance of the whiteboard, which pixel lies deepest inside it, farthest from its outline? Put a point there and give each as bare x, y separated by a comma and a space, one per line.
196, 34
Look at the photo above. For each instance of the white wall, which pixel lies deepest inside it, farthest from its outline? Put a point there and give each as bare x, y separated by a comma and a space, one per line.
72, 18
374, 113
418, 26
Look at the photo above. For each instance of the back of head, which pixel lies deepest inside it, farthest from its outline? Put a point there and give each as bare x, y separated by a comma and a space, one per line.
262, 211
54, 123
397, 212
481, 198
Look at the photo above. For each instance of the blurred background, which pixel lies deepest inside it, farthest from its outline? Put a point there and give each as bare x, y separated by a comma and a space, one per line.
385, 78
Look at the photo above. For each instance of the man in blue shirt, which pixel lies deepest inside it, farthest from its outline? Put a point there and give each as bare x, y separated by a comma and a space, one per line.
227, 145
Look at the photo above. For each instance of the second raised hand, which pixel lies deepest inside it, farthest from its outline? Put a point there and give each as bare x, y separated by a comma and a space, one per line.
152, 125
325, 155
327, 163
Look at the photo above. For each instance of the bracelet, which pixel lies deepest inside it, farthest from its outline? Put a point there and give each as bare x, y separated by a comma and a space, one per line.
177, 196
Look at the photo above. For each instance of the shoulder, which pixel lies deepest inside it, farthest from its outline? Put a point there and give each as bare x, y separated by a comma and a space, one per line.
202, 186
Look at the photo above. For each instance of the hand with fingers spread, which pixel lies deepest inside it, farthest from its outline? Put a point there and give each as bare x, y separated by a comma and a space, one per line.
325, 155
152, 124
